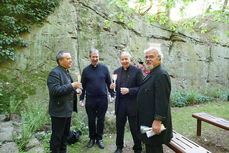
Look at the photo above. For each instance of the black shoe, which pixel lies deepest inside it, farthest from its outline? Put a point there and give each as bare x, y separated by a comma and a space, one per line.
91, 143
118, 150
100, 144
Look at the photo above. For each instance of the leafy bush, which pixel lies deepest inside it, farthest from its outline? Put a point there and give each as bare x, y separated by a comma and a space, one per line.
32, 118
224, 94
182, 98
16, 17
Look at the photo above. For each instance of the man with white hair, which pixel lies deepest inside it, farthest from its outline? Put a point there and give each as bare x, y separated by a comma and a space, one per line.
129, 79
153, 101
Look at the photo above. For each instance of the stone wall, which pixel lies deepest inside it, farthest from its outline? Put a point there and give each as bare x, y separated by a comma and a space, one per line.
193, 60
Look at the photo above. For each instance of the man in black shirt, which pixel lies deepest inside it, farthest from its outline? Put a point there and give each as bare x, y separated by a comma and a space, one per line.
129, 79
95, 81
63, 99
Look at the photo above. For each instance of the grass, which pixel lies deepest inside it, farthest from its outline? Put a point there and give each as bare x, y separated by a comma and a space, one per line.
184, 123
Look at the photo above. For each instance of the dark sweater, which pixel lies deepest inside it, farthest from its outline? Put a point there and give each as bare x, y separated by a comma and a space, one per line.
96, 81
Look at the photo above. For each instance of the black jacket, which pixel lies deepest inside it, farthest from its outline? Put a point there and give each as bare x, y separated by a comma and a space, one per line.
61, 93
135, 79
154, 104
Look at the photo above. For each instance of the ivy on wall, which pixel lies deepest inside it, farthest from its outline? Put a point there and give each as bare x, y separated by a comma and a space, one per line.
17, 17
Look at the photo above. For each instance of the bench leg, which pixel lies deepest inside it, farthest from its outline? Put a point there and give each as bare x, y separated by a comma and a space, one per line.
198, 127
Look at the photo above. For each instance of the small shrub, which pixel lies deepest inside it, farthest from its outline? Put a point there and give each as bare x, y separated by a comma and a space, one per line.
14, 104
182, 98
224, 94
32, 118
201, 99
191, 97
178, 99
212, 92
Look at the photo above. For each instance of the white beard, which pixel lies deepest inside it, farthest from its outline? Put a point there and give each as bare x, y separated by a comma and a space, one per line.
149, 67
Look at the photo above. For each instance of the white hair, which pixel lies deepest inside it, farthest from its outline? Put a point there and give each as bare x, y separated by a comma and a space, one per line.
125, 53
157, 49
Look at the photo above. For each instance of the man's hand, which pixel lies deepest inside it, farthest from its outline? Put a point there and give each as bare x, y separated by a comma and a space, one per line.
76, 85
78, 91
112, 86
124, 91
156, 126
82, 103
111, 98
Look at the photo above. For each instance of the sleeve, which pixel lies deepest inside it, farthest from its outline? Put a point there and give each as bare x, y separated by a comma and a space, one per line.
83, 81
108, 82
55, 86
162, 95
139, 80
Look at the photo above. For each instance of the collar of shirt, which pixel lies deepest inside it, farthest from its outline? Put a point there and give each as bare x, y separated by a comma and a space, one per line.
66, 70
94, 67
126, 69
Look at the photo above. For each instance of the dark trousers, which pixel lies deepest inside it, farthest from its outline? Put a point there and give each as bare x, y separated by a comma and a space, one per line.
60, 131
154, 148
96, 108
121, 118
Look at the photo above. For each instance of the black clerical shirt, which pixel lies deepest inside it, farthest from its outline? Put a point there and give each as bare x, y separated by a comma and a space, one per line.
96, 81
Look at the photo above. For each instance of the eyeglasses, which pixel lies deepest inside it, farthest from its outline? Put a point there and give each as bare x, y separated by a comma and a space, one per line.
150, 57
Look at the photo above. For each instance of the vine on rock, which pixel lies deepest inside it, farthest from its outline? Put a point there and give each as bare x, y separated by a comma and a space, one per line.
17, 17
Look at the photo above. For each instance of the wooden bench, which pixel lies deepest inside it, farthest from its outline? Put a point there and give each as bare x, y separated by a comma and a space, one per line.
217, 121
181, 144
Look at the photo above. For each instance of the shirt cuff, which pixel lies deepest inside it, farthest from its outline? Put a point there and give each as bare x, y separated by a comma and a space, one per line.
158, 117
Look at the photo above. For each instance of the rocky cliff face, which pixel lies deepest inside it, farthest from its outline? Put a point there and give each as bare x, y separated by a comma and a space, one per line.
192, 60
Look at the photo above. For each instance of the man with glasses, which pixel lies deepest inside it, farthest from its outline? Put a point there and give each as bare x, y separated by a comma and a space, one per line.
154, 103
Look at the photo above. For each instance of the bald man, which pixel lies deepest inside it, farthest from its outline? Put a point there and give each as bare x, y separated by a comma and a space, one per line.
129, 79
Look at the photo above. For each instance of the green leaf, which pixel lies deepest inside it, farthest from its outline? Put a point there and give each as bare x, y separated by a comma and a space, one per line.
107, 22
215, 38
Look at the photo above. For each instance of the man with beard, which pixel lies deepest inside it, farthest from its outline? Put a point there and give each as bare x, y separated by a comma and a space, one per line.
154, 103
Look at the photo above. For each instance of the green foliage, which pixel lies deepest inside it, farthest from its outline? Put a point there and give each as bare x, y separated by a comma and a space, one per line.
80, 123
143, 8
32, 118
45, 142
182, 98
215, 38
1, 105
20, 87
14, 105
16, 17
186, 98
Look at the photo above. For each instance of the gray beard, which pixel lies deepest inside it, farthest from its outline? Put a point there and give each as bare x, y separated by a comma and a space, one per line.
149, 67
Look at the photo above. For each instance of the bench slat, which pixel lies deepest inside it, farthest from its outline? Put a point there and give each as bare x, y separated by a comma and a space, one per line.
217, 121
181, 144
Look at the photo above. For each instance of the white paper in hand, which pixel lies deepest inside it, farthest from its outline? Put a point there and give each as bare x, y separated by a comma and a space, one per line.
148, 130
